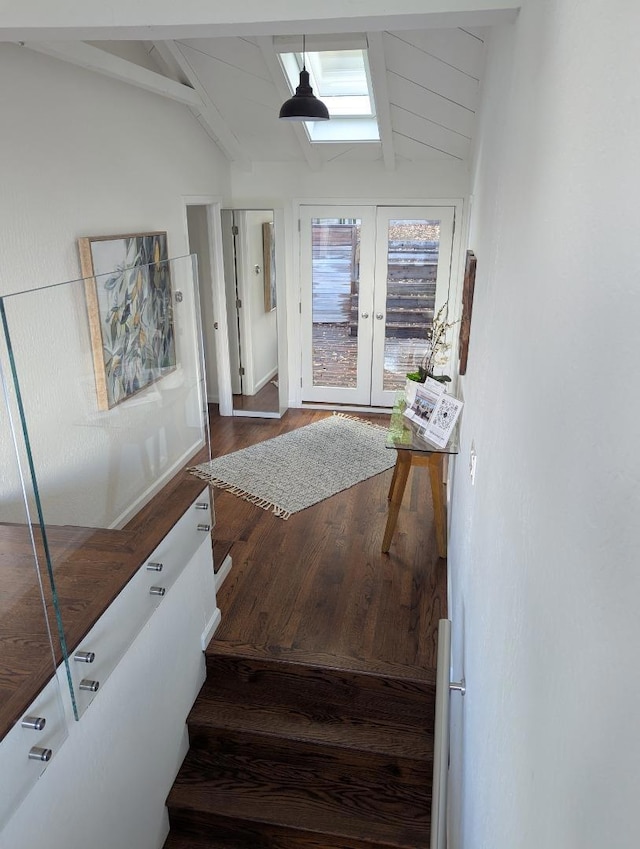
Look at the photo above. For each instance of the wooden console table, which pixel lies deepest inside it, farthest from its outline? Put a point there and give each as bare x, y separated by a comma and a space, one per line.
413, 450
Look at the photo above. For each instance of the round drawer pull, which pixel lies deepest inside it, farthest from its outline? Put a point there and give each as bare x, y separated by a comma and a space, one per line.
205, 528
157, 591
155, 567
89, 686
202, 505
35, 723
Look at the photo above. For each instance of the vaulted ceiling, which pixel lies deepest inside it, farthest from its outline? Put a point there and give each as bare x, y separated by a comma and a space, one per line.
425, 85
425, 65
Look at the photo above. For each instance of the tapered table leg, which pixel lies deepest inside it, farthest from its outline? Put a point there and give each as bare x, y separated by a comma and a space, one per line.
400, 475
436, 473
393, 479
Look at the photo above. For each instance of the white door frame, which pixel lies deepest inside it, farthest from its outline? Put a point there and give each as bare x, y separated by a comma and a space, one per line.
231, 295
381, 397
314, 392
294, 323
213, 206
246, 312
372, 304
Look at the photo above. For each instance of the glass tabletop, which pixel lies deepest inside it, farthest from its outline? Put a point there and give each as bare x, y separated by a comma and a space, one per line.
404, 434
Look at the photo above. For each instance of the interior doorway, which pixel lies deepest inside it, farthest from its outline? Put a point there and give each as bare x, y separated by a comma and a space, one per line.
248, 244
373, 278
256, 253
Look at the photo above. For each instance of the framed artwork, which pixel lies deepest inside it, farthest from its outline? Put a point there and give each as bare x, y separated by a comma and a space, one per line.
467, 306
128, 294
269, 265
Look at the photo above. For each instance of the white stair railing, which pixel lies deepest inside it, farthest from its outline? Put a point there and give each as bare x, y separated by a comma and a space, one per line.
441, 736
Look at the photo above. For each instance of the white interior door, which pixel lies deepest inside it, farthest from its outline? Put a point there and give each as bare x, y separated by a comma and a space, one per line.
372, 280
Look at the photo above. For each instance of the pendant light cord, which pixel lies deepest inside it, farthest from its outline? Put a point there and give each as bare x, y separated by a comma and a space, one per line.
304, 64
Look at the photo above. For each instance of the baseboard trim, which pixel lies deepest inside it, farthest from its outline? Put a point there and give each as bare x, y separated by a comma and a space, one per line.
211, 628
223, 571
346, 408
252, 414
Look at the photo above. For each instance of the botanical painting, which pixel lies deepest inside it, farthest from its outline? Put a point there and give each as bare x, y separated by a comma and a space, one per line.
269, 264
128, 293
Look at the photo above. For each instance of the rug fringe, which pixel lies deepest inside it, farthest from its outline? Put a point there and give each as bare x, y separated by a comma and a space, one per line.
263, 503
374, 425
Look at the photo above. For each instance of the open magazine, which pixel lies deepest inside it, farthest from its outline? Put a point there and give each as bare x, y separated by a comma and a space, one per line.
433, 412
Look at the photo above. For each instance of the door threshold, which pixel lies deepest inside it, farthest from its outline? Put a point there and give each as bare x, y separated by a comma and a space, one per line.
344, 408
256, 414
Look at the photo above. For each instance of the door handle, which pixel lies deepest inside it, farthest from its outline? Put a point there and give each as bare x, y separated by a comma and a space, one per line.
379, 315
365, 315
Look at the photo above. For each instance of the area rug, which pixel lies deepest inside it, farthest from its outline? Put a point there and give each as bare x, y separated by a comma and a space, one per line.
291, 472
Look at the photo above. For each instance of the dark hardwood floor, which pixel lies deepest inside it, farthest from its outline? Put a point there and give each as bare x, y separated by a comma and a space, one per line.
318, 583
315, 725
264, 401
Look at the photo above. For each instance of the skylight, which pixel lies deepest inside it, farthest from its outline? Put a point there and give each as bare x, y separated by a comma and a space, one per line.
340, 78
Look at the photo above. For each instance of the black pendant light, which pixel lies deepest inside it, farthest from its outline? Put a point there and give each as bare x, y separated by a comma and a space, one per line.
304, 105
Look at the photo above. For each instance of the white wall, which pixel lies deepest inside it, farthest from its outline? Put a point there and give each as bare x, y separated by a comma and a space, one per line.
280, 181
85, 155
281, 186
543, 553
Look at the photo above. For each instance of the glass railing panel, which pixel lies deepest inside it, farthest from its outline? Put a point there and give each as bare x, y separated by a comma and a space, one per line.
110, 372
32, 716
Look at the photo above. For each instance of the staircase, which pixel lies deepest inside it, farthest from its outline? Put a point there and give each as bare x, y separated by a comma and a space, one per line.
297, 755
412, 269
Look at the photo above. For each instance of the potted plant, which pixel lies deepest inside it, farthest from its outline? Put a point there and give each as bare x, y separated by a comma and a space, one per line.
437, 352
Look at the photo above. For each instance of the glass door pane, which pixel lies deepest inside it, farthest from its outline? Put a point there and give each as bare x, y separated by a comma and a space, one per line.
335, 272
337, 266
412, 279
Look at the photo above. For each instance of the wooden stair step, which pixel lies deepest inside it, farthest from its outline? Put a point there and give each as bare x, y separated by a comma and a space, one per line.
192, 831
302, 719
404, 694
181, 840
403, 309
416, 286
397, 312
215, 745
396, 320
323, 793
334, 665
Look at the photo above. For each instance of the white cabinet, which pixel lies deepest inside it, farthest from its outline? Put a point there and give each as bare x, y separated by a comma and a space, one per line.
107, 779
107, 642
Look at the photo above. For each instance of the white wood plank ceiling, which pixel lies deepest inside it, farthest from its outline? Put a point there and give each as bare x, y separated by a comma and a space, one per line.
431, 79
425, 84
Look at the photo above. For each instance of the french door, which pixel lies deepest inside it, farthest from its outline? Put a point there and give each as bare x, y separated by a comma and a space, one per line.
372, 280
